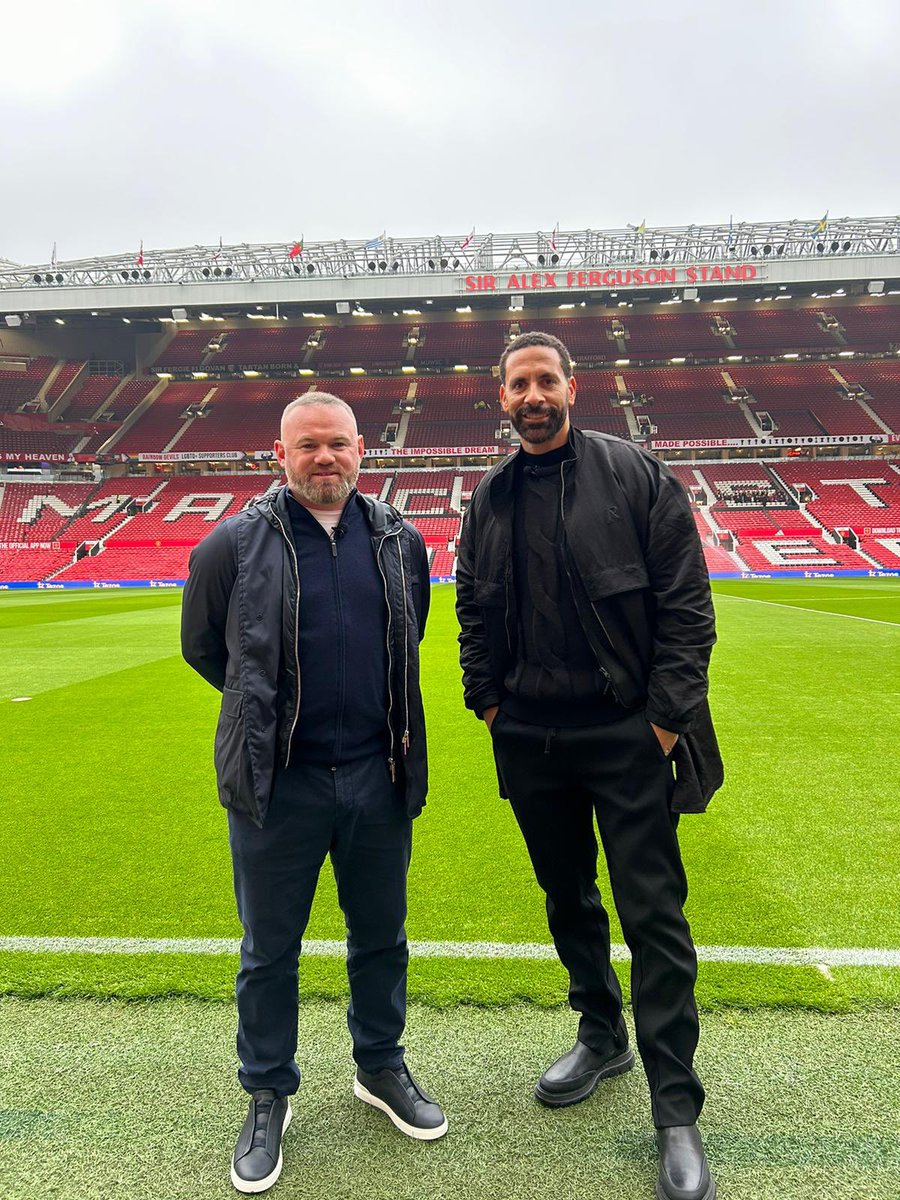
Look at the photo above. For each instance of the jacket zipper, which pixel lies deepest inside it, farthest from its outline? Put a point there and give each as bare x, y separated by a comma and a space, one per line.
391, 764
506, 575
339, 737
599, 620
405, 740
290, 546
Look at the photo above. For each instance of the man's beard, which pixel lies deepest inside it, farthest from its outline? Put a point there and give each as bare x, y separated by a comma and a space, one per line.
535, 435
322, 492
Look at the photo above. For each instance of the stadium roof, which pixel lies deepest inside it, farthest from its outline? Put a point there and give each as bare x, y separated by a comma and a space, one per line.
386, 267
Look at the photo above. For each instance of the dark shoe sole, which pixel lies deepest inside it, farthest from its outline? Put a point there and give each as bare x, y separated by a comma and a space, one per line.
709, 1194
614, 1066
251, 1187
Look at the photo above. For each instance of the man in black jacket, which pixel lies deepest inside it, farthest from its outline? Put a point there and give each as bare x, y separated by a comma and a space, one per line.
320, 583
586, 629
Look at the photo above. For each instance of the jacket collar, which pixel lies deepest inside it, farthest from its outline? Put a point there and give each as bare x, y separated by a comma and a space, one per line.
502, 482
382, 518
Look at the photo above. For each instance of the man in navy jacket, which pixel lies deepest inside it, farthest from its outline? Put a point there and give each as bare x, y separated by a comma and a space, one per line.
306, 611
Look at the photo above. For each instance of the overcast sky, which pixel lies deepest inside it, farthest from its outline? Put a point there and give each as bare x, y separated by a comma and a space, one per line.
176, 122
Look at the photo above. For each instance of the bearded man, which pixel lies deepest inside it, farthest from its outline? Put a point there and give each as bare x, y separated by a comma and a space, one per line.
586, 629
319, 582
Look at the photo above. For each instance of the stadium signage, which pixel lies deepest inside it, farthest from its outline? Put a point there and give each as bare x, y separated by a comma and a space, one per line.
194, 456
433, 451
855, 439
612, 277
23, 456
29, 545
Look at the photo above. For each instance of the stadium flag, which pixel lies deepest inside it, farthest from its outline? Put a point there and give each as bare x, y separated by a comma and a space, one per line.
53, 256
730, 232
376, 242
553, 236
642, 228
296, 250
219, 251
140, 257
823, 224
468, 241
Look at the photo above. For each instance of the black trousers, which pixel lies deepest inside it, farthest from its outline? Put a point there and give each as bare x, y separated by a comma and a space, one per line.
353, 813
558, 781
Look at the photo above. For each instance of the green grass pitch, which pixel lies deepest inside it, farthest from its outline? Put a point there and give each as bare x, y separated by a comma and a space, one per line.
109, 824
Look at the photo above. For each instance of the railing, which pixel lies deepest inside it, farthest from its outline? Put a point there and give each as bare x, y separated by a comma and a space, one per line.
479, 253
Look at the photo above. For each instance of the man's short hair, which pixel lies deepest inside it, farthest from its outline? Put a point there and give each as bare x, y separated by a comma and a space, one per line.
537, 338
316, 400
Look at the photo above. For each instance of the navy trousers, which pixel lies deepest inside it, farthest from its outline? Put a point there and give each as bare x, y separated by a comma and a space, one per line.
559, 781
354, 814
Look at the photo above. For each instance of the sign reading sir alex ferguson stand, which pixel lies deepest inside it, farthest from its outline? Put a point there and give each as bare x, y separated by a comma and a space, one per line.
613, 277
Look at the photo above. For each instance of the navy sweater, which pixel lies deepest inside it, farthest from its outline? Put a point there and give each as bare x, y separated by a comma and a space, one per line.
342, 640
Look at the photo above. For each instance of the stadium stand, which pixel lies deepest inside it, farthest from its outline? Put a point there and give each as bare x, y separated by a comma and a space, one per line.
474, 343
154, 544
128, 563
748, 505
685, 402
359, 345
66, 374
39, 512
848, 494
92, 395
21, 387
260, 349
882, 381
186, 351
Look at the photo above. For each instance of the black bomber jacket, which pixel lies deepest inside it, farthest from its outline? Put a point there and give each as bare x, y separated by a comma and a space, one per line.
645, 602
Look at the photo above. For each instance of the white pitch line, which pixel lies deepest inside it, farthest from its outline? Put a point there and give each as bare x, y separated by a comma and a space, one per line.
817, 957
820, 612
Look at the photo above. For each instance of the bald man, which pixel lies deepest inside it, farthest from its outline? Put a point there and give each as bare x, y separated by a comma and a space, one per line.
306, 611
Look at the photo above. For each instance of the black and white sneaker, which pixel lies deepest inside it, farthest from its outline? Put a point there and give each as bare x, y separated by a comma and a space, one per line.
396, 1093
257, 1159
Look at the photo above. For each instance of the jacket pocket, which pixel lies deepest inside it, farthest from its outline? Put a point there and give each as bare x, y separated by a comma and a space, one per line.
230, 755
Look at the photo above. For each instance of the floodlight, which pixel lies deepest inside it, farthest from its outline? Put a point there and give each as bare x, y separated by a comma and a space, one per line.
875, 287
179, 314
342, 307
13, 320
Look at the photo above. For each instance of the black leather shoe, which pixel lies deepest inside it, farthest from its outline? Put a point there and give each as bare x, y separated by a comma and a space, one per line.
575, 1076
256, 1162
683, 1173
397, 1094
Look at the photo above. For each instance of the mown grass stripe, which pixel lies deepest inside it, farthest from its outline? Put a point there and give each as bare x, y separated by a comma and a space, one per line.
788, 956
819, 612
